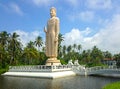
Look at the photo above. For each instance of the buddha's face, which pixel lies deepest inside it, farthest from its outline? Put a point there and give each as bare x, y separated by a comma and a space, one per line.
52, 13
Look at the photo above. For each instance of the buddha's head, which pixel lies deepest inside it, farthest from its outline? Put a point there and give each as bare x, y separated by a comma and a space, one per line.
53, 12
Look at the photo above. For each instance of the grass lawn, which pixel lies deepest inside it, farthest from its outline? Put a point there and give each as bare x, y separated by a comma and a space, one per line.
115, 85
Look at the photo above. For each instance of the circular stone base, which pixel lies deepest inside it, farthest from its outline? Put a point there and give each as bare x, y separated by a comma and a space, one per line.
53, 61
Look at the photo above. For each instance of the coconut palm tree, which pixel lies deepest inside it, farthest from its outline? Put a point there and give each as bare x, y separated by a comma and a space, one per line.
30, 44
38, 42
79, 47
107, 54
60, 39
29, 54
2, 57
74, 46
4, 37
69, 48
96, 55
14, 47
64, 50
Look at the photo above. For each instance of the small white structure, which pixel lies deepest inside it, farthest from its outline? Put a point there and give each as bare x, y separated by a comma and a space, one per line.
76, 63
70, 63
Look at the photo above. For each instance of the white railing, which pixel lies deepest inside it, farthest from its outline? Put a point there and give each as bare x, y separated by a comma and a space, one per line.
98, 68
39, 68
78, 69
95, 70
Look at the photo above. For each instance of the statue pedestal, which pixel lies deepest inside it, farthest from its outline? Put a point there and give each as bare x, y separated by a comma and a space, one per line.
53, 61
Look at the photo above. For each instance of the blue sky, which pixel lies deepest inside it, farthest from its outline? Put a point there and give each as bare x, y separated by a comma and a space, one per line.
85, 22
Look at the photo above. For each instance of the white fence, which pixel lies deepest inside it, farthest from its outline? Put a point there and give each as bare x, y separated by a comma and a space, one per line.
96, 70
78, 69
39, 68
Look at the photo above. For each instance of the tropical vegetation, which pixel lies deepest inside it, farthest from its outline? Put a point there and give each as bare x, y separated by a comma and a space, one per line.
12, 52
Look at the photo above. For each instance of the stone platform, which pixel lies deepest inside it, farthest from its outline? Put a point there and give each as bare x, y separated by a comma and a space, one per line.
42, 71
49, 75
53, 61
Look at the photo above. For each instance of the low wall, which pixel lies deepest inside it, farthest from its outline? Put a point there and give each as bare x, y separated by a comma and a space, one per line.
42, 71
39, 68
55, 71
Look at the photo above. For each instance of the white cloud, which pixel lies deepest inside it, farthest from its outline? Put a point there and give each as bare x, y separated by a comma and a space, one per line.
25, 37
15, 8
110, 35
72, 37
99, 4
76, 36
108, 38
86, 16
87, 31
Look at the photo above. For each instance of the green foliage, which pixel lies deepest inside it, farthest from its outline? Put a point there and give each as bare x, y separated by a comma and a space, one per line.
2, 71
71, 56
41, 58
14, 48
13, 53
60, 39
117, 58
115, 85
63, 62
29, 54
91, 57
38, 42
107, 54
94, 64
